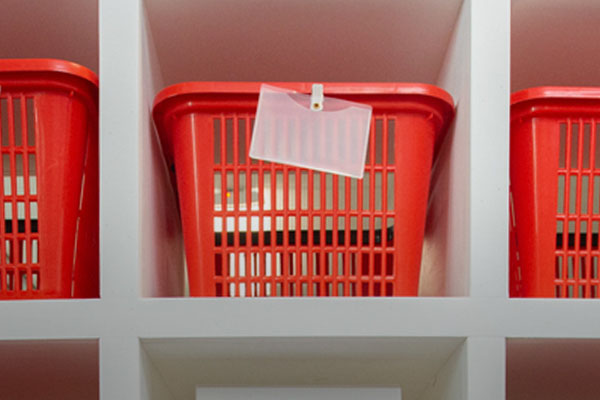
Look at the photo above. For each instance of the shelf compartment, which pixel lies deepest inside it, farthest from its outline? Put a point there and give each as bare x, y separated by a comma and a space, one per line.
49, 369
398, 42
555, 161
49, 195
409, 363
552, 369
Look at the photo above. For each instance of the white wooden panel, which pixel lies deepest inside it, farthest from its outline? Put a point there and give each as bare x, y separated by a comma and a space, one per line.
161, 258
490, 72
445, 269
120, 129
120, 368
451, 381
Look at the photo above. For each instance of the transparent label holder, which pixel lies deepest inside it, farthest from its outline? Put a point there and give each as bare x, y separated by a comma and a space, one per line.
311, 131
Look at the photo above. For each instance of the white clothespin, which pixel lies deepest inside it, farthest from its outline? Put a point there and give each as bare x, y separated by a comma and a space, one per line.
316, 98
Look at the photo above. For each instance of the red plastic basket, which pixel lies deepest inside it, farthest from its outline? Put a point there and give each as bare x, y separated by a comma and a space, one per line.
555, 192
49, 192
254, 228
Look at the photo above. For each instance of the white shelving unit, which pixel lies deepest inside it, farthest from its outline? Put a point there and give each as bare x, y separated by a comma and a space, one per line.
463, 339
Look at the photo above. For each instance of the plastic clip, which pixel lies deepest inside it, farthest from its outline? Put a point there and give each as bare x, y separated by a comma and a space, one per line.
316, 98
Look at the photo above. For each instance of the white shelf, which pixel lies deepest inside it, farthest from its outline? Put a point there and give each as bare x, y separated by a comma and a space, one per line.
52, 319
457, 343
391, 317
300, 318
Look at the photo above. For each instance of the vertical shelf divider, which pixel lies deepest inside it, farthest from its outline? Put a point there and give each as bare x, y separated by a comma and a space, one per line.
489, 147
121, 111
120, 130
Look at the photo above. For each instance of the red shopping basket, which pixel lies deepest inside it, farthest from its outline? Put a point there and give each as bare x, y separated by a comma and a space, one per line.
49, 134
555, 192
255, 228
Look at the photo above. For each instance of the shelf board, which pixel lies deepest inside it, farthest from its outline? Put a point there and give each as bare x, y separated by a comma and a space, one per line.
309, 317
301, 317
54, 319
367, 317
551, 318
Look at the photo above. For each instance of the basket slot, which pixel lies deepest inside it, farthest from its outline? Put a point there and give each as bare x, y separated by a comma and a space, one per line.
4, 117
578, 204
10, 280
301, 273
280, 237
20, 225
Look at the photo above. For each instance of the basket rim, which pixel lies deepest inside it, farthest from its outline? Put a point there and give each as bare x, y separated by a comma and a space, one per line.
555, 92
48, 65
330, 88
